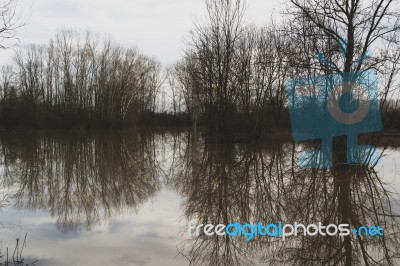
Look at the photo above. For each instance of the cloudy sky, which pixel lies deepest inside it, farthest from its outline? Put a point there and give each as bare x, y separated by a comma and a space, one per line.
157, 27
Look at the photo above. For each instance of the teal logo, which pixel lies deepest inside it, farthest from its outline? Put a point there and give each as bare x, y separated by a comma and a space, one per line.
340, 104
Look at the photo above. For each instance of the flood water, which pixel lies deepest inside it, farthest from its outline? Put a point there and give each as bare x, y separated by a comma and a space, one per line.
127, 198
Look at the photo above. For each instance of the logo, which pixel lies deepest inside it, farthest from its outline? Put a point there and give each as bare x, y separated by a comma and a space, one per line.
340, 104
280, 230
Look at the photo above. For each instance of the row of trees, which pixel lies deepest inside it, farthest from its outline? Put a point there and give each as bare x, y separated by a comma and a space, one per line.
231, 79
233, 75
77, 81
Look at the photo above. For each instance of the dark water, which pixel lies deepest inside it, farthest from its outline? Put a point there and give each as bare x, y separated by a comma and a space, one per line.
126, 199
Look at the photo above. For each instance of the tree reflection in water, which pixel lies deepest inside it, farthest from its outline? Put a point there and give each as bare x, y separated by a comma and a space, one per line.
84, 180
248, 183
81, 180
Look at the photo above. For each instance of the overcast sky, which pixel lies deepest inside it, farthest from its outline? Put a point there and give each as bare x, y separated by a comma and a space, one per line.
157, 27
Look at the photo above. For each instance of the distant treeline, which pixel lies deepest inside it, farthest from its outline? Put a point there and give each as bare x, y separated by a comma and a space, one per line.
77, 81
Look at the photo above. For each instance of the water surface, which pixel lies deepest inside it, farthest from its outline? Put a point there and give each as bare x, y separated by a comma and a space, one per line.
126, 199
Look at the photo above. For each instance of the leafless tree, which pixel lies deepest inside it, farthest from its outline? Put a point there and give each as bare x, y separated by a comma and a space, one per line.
346, 36
11, 19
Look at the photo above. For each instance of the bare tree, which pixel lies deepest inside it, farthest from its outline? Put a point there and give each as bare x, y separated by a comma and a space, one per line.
10, 20
361, 25
213, 48
346, 32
